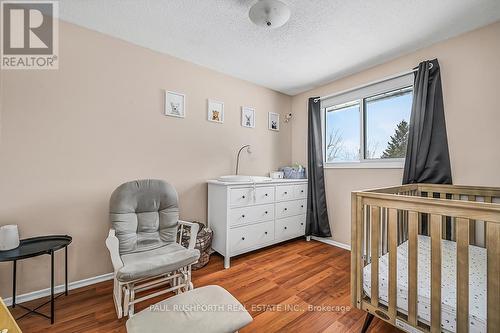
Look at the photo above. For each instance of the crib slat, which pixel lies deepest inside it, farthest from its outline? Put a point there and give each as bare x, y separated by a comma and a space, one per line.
487, 199
462, 226
375, 235
423, 222
493, 276
412, 267
443, 218
393, 248
472, 224
436, 231
453, 229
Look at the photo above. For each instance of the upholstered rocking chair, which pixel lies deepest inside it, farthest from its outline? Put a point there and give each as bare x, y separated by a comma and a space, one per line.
145, 243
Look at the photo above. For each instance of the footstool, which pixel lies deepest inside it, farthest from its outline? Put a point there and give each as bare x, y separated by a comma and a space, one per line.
210, 309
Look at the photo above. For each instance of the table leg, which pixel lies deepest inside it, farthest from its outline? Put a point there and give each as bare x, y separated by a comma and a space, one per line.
14, 263
66, 271
51, 287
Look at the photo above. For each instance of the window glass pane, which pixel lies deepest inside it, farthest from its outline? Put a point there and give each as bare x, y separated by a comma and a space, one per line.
342, 132
387, 118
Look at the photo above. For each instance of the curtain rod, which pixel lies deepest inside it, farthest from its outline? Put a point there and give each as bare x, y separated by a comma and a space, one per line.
369, 84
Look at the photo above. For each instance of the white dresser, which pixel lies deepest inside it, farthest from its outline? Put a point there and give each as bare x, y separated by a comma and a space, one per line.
248, 216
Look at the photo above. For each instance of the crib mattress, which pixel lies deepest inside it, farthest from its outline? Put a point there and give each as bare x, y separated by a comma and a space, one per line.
477, 283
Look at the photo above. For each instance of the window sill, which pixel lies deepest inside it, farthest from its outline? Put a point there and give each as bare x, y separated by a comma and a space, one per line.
366, 165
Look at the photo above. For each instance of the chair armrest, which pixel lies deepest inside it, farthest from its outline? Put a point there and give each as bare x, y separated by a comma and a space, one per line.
113, 244
194, 232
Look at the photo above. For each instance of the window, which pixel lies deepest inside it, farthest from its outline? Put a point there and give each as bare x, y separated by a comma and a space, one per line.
386, 124
368, 127
342, 127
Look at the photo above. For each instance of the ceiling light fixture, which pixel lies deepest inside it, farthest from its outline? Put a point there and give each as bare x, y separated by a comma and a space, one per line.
269, 13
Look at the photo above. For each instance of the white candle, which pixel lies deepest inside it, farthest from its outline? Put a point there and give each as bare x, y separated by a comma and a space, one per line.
9, 237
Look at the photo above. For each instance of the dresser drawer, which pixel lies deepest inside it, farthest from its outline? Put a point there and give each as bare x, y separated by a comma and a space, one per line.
290, 208
290, 227
300, 191
250, 235
291, 192
264, 195
285, 192
243, 215
241, 196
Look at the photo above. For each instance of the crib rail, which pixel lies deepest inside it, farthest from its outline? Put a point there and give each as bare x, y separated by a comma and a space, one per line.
387, 210
477, 229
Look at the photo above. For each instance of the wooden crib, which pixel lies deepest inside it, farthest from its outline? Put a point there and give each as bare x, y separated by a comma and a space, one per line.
414, 226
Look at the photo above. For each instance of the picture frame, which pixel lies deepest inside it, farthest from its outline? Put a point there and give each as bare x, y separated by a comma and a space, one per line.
215, 111
175, 104
273, 120
247, 117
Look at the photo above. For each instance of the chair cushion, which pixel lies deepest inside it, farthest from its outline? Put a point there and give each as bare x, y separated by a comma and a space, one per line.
145, 215
155, 262
210, 309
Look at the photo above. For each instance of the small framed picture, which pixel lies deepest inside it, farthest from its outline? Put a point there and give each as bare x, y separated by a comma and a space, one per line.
247, 117
274, 121
175, 104
215, 111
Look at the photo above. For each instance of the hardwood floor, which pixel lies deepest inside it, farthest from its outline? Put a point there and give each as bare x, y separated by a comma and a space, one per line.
278, 285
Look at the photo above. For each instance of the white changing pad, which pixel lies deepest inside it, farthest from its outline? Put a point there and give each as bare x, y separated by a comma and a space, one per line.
477, 283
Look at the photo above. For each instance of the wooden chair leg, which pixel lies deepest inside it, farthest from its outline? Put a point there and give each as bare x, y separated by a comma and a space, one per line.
175, 283
117, 296
368, 321
126, 299
131, 310
185, 279
190, 285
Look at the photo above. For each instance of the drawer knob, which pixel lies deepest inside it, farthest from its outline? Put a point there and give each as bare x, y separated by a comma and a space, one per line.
265, 194
243, 197
301, 206
243, 215
302, 223
265, 232
285, 192
242, 238
265, 212
286, 208
286, 228
301, 191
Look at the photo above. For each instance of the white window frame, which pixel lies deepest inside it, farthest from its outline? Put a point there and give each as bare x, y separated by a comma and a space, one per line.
360, 93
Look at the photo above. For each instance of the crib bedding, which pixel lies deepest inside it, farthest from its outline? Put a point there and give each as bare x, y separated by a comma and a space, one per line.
477, 283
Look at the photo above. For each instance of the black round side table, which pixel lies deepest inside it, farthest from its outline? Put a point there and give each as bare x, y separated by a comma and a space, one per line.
37, 246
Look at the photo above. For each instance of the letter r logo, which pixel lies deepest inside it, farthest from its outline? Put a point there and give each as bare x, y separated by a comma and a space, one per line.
27, 28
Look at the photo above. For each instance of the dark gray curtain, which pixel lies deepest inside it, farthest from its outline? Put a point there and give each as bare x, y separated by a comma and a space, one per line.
427, 156
317, 214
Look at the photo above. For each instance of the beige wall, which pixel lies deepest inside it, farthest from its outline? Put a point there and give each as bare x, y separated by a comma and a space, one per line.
70, 136
470, 67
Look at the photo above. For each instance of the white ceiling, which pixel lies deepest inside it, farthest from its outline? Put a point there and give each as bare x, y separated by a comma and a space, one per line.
323, 41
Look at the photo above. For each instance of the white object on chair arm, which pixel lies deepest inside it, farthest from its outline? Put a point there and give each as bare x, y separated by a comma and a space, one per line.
194, 232
113, 244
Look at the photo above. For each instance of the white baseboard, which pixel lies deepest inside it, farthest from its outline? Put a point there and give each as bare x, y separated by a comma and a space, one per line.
58, 289
332, 242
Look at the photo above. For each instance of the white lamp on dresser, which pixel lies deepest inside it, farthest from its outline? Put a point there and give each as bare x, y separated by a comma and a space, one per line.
246, 216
